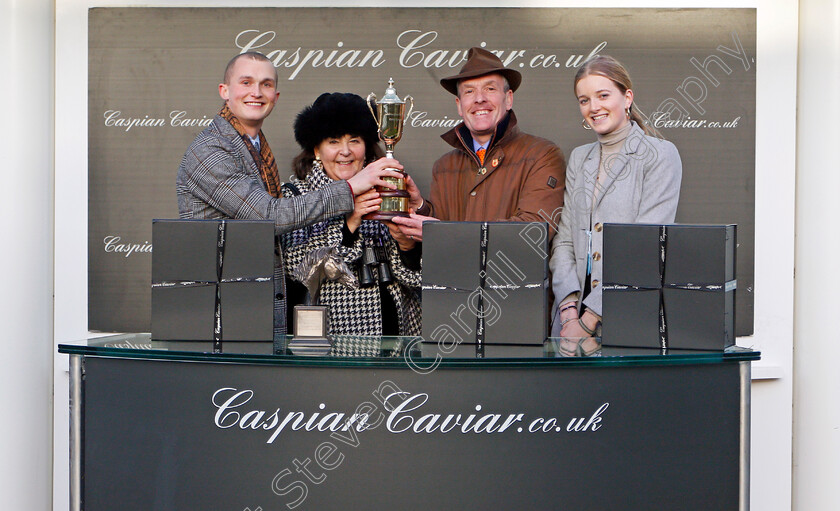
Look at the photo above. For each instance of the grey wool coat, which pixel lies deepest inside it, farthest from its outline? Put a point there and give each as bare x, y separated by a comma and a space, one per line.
218, 178
642, 186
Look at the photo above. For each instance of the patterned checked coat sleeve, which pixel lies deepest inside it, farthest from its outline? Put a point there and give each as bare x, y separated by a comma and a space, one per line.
218, 178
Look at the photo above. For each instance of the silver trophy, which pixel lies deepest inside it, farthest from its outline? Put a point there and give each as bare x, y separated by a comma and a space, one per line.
390, 117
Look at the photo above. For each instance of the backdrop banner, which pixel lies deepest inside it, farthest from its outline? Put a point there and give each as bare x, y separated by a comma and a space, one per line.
154, 75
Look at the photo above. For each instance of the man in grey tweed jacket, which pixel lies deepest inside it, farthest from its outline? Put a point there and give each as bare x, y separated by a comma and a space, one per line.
220, 178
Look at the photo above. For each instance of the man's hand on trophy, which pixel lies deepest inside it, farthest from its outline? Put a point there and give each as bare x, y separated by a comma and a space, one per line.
412, 226
372, 175
404, 242
415, 199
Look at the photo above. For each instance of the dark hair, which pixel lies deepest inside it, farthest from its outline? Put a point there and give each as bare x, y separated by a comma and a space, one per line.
253, 56
609, 67
333, 115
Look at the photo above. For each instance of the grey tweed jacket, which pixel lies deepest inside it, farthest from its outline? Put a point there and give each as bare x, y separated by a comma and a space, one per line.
642, 186
218, 178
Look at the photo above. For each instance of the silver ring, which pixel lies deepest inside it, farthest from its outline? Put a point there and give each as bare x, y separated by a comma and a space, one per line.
411, 236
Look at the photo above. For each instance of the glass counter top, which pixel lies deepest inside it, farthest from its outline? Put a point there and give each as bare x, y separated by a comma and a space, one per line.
413, 352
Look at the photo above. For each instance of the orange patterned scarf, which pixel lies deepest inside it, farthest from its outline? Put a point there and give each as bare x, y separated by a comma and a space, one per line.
264, 157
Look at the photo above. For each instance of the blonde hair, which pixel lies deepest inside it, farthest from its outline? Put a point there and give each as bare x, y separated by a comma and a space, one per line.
612, 69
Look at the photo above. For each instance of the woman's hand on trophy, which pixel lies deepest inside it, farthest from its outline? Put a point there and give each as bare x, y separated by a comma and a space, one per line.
372, 175
412, 226
365, 203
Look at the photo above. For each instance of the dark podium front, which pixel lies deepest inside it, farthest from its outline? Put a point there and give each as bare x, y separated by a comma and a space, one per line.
397, 424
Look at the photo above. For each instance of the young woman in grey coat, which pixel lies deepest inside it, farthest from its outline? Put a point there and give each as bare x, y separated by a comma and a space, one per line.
629, 175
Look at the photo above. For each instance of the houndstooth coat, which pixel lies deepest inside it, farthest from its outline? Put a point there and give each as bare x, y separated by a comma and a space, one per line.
356, 311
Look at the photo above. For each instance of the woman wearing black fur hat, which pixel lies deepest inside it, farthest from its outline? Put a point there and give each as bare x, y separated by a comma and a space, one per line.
338, 137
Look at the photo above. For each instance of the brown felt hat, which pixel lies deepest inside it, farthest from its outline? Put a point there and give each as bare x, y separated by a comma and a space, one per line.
481, 62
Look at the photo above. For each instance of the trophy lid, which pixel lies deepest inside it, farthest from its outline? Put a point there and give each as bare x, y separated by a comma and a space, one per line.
390, 94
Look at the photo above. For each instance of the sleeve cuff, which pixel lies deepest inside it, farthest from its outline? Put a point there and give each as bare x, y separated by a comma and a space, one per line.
425, 209
348, 239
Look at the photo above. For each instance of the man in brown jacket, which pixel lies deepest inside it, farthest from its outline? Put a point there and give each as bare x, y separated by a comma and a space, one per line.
496, 172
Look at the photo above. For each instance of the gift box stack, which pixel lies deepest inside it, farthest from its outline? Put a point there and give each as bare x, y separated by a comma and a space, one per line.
669, 286
213, 280
485, 282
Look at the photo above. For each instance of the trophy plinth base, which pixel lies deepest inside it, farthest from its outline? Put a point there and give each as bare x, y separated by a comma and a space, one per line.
394, 203
384, 216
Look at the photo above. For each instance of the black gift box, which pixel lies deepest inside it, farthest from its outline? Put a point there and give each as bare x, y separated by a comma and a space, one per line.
485, 282
669, 286
213, 280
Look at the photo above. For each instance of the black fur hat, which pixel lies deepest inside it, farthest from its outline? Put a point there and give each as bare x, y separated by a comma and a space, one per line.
335, 115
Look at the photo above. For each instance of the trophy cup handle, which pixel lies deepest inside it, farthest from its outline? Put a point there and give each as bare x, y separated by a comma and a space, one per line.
410, 105
370, 107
